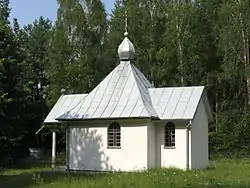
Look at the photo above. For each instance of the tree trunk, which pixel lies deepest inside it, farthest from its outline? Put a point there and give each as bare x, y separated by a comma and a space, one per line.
180, 50
245, 53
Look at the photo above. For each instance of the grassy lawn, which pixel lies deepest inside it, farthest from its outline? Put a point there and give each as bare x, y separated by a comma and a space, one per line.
226, 173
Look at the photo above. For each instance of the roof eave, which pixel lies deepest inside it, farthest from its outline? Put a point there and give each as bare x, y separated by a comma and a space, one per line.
50, 122
108, 118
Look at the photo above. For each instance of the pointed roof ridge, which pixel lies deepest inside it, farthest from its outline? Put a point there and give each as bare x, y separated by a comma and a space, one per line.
143, 86
123, 93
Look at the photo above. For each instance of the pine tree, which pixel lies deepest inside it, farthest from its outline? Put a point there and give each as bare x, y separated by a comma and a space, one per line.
11, 85
5, 11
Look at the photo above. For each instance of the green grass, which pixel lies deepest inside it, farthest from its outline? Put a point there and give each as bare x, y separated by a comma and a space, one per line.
226, 173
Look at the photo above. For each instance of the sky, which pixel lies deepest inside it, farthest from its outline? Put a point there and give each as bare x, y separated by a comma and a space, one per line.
26, 11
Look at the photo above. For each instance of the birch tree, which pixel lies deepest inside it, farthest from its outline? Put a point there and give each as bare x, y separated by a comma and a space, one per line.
233, 29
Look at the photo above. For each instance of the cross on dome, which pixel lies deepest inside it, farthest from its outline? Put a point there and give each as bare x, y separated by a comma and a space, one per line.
126, 50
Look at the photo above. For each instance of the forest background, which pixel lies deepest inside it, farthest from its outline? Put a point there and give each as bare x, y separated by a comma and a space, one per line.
177, 42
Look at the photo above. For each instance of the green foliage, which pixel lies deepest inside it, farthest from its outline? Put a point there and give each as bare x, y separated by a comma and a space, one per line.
34, 40
75, 55
12, 100
23, 55
5, 11
231, 137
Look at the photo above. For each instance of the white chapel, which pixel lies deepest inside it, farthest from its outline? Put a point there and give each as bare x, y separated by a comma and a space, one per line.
126, 124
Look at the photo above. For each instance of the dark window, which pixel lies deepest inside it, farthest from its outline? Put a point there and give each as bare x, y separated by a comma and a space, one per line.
114, 135
169, 135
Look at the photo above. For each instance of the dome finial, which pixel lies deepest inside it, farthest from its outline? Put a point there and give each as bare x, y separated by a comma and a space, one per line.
126, 50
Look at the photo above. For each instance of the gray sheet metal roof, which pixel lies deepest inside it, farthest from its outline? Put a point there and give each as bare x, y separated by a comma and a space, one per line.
176, 102
131, 96
64, 103
169, 103
126, 93
122, 94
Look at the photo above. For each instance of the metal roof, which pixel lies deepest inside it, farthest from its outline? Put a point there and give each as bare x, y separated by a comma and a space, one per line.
126, 93
169, 103
176, 102
64, 103
122, 94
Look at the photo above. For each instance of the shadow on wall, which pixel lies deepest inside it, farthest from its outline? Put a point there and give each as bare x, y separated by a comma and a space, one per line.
87, 150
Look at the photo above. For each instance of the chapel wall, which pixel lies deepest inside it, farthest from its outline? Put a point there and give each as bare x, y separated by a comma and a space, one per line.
171, 156
88, 149
199, 139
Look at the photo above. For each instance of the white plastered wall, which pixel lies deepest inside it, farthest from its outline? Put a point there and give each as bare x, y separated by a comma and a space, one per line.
199, 139
171, 157
88, 147
151, 144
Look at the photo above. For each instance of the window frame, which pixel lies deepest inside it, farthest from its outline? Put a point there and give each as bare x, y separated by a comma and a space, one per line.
169, 136
114, 136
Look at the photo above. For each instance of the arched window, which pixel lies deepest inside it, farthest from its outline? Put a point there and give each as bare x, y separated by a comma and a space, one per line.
114, 135
169, 135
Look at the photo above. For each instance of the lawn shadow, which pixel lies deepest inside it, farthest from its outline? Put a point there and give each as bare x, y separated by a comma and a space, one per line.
27, 179
86, 151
